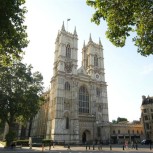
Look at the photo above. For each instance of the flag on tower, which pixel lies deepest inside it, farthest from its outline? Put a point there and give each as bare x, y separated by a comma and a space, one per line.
68, 19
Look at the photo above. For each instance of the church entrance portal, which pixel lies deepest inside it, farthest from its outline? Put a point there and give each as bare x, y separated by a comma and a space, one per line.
86, 136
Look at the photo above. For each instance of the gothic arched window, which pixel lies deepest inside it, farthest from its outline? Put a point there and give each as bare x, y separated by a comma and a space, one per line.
98, 92
67, 86
95, 60
83, 100
67, 123
68, 51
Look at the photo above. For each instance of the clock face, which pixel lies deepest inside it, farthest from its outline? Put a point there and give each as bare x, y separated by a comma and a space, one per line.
97, 76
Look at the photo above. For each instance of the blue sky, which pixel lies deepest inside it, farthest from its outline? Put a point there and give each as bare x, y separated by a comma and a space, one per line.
128, 74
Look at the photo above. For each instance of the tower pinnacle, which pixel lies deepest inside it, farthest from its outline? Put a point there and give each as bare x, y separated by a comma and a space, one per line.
75, 33
90, 39
63, 27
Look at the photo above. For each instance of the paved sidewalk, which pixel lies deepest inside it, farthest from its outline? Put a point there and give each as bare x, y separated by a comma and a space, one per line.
79, 149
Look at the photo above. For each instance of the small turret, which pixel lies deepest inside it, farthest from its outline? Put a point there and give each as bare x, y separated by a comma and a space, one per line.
63, 27
75, 33
90, 39
84, 44
100, 42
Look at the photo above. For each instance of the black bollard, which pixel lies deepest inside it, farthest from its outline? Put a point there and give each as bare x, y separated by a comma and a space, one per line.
123, 147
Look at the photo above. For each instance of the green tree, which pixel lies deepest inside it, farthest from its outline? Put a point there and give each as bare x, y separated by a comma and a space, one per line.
13, 36
124, 17
121, 119
20, 91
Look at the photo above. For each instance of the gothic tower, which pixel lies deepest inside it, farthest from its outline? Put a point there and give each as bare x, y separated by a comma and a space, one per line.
78, 98
63, 109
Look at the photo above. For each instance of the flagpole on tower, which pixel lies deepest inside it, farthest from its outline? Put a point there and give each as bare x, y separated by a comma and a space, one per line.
67, 23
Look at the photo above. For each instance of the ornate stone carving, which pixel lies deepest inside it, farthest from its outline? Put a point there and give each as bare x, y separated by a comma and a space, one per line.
68, 67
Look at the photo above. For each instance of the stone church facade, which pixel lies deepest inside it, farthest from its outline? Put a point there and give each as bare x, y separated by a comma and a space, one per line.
78, 96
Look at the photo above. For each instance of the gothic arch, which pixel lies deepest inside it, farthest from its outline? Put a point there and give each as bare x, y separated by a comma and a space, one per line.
67, 85
97, 92
68, 51
86, 136
83, 100
95, 60
67, 119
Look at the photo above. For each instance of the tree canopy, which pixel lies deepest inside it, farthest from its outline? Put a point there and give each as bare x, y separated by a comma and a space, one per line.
13, 36
124, 17
20, 91
119, 119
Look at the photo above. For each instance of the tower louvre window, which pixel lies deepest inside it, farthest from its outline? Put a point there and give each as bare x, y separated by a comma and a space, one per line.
98, 92
95, 60
67, 86
68, 51
83, 100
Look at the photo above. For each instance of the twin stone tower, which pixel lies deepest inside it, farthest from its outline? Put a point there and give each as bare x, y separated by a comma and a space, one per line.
78, 106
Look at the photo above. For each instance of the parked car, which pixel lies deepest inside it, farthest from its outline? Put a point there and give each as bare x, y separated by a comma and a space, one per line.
145, 142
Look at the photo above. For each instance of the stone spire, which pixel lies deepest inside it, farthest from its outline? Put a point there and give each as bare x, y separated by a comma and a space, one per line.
100, 42
90, 39
75, 33
63, 27
84, 44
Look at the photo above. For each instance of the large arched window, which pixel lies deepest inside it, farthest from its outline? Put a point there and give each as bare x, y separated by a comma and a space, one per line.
83, 100
67, 86
95, 60
68, 51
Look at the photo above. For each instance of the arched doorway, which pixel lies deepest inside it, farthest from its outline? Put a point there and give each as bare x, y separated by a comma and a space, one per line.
86, 136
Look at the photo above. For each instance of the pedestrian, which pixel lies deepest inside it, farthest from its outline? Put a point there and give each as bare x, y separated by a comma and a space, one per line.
132, 145
126, 144
136, 146
150, 144
50, 145
98, 145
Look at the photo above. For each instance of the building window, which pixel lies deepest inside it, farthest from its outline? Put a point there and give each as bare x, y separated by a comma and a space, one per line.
87, 62
98, 92
145, 117
118, 131
128, 131
147, 126
68, 51
83, 100
67, 86
133, 131
137, 132
95, 60
152, 116
67, 123
113, 131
